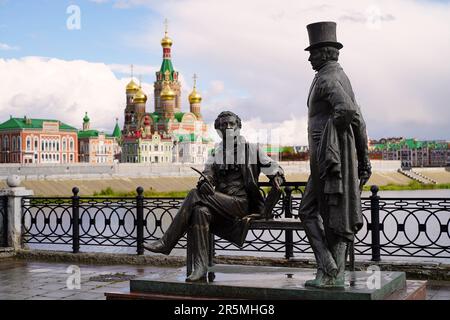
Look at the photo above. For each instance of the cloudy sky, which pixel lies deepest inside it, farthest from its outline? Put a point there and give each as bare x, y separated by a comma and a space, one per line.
248, 55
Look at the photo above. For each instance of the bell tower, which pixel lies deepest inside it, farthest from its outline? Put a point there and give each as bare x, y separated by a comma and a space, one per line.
173, 81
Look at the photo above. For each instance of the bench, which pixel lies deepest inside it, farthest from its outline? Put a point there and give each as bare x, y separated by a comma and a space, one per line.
287, 224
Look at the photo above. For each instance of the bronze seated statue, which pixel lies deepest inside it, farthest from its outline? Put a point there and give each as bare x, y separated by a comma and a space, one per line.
225, 195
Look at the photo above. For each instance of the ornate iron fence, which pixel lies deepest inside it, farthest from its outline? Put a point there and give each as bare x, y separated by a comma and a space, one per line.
3, 221
392, 227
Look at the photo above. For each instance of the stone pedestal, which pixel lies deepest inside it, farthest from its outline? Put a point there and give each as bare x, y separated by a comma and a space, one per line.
267, 283
14, 212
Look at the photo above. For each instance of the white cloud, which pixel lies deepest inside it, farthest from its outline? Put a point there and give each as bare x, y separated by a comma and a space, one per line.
217, 87
7, 47
137, 69
58, 89
287, 132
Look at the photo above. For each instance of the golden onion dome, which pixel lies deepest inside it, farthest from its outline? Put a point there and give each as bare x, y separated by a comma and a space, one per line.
132, 86
195, 97
166, 41
140, 96
167, 93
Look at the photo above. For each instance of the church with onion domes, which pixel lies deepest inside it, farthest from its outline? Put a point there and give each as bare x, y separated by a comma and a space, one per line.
167, 134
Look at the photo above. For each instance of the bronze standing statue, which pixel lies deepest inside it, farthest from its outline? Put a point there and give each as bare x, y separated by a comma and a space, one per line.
339, 161
224, 197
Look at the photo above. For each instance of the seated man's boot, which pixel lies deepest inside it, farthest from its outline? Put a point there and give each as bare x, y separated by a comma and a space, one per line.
198, 275
201, 238
158, 246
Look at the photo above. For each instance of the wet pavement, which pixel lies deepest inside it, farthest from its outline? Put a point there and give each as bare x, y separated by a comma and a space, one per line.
24, 280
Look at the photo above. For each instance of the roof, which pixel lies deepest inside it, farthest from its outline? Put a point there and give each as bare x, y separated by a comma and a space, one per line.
28, 123
411, 144
117, 133
167, 66
91, 134
186, 137
272, 149
155, 117
179, 116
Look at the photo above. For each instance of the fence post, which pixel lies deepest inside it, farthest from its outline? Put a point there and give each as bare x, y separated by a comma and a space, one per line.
375, 222
140, 221
13, 211
287, 203
4, 204
75, 220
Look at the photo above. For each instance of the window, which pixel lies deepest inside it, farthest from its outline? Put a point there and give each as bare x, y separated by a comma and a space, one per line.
156, 149
64, 144
71, 144
36, 143
71, 157
13, 144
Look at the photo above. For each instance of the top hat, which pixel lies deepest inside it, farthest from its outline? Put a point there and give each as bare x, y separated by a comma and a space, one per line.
322, 34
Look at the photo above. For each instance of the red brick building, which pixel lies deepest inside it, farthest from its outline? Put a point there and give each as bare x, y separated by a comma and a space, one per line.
25, 140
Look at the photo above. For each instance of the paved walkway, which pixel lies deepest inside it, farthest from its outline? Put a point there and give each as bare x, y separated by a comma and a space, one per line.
22, 280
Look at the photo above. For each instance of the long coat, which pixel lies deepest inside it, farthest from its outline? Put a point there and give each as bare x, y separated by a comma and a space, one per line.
251, 160
338, 147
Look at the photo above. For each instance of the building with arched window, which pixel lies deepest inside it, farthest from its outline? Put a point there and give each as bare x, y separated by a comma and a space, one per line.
96, 146
42, 140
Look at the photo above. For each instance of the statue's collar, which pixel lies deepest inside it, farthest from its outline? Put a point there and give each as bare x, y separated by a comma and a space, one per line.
328, 65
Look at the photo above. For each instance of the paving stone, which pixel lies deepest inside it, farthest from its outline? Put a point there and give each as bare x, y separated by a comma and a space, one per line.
87, 296
49, 282
58, 294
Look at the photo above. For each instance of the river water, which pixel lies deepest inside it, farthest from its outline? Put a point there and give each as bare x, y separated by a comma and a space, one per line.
433, 229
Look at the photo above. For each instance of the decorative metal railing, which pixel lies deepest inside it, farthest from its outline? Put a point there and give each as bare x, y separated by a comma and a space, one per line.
3, 221
392, 227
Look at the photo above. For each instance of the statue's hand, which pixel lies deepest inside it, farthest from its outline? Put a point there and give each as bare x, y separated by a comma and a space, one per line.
364, 176
205, 187
277, 181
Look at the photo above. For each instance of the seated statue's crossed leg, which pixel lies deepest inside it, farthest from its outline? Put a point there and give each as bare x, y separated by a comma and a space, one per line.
197, 212
178, 227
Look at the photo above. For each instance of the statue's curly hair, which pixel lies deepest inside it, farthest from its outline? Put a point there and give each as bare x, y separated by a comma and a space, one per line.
329, 53
224, 114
